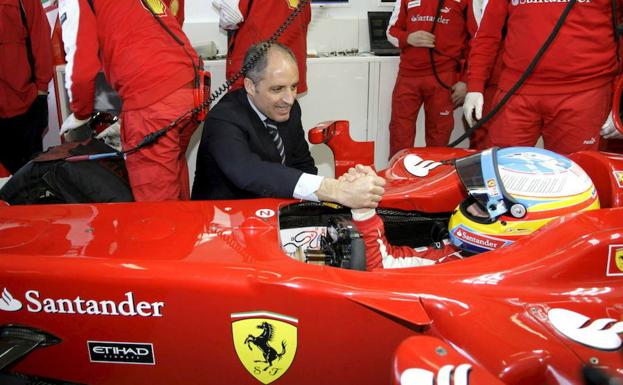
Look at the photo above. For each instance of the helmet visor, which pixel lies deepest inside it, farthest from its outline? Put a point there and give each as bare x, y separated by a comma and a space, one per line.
478, 173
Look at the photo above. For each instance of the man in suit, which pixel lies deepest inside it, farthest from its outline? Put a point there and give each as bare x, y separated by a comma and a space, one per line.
253, 144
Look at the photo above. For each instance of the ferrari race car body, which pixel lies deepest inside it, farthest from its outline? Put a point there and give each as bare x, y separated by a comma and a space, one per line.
220, 292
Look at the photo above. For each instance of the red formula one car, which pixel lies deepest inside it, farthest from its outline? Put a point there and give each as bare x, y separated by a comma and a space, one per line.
260, 291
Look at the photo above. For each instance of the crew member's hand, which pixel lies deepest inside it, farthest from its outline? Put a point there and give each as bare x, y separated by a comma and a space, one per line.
459, 89
421, 39
71, 123
609, 131
112, 135
473, 106
229, 13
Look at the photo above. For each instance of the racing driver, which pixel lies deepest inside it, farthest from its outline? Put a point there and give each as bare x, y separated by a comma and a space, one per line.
511, 193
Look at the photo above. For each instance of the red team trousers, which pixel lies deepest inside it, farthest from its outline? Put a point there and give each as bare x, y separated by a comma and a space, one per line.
567, 122
159, 172
410, 93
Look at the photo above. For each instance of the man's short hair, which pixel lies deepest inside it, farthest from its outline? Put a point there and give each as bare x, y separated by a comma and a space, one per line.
257, 69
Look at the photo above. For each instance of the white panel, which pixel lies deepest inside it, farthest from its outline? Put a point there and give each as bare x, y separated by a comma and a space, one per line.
338, 90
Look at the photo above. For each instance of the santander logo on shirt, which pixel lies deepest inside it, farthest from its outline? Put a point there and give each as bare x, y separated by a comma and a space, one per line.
523, 2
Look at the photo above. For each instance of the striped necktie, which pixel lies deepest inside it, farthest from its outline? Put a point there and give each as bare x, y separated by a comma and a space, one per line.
274, 134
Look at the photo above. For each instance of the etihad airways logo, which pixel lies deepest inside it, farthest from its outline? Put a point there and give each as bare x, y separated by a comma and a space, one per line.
126, 307
478, 240
523, 2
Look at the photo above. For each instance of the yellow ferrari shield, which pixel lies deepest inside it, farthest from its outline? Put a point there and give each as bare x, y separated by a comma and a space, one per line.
618, 175
265, 343
293, 3
156, 6
618, 258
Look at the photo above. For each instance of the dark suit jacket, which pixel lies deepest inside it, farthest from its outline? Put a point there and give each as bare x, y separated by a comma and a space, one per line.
238, 159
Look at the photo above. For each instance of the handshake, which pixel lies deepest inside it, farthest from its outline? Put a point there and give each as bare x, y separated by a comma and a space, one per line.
359, 188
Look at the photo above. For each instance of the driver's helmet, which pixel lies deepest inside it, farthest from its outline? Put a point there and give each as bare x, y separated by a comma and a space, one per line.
513, 192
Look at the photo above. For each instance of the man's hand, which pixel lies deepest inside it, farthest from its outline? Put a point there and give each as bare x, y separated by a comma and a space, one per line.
609, 131
421, 39
473, 106
112, 136
71, 123
360, 187
459, 89
229, 14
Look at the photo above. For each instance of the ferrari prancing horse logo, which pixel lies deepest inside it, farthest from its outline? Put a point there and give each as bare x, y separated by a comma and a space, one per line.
266, 346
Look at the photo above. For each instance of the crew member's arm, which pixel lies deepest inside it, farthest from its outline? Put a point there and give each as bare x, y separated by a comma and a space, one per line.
81, 48
397, 33
41, 44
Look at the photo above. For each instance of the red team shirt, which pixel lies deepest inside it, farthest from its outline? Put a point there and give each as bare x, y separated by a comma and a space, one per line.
17, 91
142, 62
261, 20
582, 56
456, 21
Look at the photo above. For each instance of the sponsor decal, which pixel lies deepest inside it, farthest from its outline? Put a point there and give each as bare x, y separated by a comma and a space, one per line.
155, 6
615, 260
523, 2
413, 4
121, 352
8, 303
265, 213
599, 334
418, 166
265, 343
477, 239
126, 307
445, 112
618, 176
445, 9
420, 18
417, 376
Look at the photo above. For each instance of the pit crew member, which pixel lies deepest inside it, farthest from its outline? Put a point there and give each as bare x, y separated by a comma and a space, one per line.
412, 28
149, 61
567, 97
250, 22
25, 71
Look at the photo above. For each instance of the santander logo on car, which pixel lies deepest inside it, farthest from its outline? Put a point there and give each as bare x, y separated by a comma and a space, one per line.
8, 303
126, 306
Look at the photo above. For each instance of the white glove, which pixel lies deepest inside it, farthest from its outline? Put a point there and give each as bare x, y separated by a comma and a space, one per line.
71, 123
229, 13
112, 136
609, 131
473, 106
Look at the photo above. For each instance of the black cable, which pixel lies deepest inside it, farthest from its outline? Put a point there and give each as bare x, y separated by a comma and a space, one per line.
431, 51
522, 79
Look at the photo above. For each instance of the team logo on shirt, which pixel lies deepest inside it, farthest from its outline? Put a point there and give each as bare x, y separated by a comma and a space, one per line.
157, 7
292, 3
412, 4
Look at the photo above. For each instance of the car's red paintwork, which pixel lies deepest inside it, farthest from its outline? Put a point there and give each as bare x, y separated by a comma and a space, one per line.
208, 262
